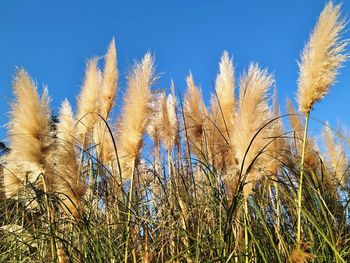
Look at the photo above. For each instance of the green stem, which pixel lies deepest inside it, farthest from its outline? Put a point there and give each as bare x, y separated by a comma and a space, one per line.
129, 213
50, 221
300, 190
246, 240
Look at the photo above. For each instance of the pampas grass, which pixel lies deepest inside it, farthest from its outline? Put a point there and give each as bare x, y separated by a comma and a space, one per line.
88, 103
222, 109
253, 90
321, 58
84, 192
195, 114
106, 102
169, 128
29, 135
65, 178
336, 157
109, 81
133, 122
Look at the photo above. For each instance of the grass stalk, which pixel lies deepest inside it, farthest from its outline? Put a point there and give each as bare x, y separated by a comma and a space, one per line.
300, 190
50, 218
129, 212
246, 238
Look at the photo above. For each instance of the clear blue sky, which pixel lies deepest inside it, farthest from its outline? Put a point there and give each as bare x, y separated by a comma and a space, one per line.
53, 39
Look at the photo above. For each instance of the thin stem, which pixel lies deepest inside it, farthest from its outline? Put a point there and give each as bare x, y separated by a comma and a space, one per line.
246, 240
129, 213
300, 190
51, 220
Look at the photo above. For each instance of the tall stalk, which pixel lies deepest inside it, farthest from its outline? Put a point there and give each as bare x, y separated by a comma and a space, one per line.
246, 238
300, 190
51, 221
129, 213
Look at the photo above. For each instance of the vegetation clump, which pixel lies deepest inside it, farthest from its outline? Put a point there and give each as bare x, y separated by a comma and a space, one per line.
224, 183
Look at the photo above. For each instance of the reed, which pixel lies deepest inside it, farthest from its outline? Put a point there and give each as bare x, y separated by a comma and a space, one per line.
320, 60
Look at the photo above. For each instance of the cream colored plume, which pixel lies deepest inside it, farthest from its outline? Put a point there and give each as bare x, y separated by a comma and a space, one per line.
169, 121
102, 137
29, 135
109, 81
195, 117
337, 159
224, 87
88, 100
65, 173
66, 128
222, 109
155, 116
133, 122
253, 112
103, 143
276, 149
321, 58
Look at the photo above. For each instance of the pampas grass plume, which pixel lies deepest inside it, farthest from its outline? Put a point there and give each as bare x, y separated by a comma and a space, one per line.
321, 58
195, 115
29, 134
133, 123
109, 81
338, 161
253, 112
88, 103
65, 174
222, 109
169, 123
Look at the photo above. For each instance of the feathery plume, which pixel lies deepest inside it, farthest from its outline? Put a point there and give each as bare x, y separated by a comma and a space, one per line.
300, 254
276, 149
337, 159
253, 112
154, 125
195, 116
101, 136
65, 174
103, 143
29, 133
169, 120
109, 81
88, 103
135, 112
67, 124
224, 87
222, 109
321, 58
155, 116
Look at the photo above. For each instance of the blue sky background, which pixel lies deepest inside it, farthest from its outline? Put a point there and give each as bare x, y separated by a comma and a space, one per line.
53, 39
